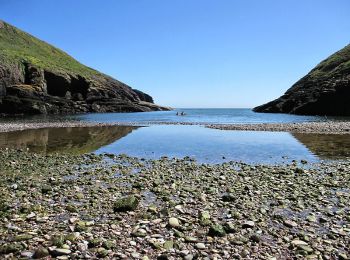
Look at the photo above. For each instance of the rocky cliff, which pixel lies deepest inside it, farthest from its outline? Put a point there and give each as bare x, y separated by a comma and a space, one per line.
37, 78
324, 91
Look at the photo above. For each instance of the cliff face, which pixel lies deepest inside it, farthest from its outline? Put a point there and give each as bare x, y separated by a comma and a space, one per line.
37, 78
325, 90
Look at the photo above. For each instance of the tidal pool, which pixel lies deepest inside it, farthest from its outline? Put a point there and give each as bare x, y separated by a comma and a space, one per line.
201, 143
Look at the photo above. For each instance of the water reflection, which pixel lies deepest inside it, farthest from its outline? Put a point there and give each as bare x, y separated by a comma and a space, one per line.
326, 146
73, 140
204, 144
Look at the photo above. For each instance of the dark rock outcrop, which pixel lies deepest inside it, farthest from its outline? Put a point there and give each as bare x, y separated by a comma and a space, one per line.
143, 96
323, 91
37, 78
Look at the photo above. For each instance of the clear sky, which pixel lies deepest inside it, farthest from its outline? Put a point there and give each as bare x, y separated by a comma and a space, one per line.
192, 53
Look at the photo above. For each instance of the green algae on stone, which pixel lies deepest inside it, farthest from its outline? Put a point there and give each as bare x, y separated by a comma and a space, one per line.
128, 203
216, 230
10, 248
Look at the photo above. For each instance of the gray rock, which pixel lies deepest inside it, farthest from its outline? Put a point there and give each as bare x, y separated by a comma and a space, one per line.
41, 252
248, 224
60, 252
200, 246
290, 223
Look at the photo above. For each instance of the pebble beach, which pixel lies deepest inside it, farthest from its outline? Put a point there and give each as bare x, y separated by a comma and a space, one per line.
329, 127
119, 207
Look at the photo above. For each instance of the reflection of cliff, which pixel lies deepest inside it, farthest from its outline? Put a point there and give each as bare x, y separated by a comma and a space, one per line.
326, 146
72, 140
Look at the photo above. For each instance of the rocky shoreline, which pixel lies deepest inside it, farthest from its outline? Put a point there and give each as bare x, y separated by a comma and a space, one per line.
323, 91
329, 127
118, 207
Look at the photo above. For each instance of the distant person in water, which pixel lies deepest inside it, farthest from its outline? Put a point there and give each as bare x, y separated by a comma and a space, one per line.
180, 114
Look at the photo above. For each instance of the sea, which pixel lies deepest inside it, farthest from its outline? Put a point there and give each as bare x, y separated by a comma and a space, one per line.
157, 134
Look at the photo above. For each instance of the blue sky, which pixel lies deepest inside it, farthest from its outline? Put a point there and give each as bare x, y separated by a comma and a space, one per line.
192, 53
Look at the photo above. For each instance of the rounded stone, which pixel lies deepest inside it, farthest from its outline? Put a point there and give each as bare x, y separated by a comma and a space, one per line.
200, 246
41, 252
174, 222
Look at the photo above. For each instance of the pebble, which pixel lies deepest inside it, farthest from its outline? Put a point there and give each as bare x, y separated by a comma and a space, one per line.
60, 251
174, 222
41, 252
248, 224
216, 230
188, 257
297, 242
290, 223
200, 246
27, 254
191, 239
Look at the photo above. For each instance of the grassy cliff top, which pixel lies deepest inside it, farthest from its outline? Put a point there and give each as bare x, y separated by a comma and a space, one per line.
17, 46
338, 63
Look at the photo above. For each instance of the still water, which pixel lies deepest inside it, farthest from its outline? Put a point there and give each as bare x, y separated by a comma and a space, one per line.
193, 115
203, 144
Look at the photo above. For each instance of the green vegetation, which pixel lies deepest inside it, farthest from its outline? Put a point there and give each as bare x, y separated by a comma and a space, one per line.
339, 62
17, 46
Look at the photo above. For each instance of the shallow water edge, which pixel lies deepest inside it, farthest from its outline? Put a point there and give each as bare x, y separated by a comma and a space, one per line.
200, 143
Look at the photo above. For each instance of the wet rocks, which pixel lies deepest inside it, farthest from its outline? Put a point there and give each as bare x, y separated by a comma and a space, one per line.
128, 203
204, 218
191, 239
328, 127
174, 222
10, 248
290, 223
41, 252
255, 238
228, 198
59, 252
248, 224
274, 212
216, 230
23, 237
200, 246
45, 189
168, 245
